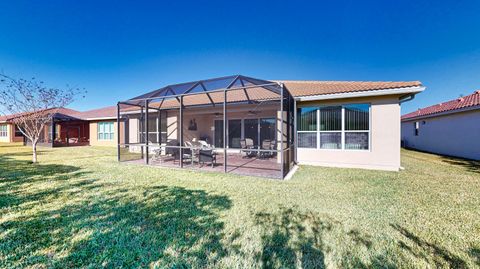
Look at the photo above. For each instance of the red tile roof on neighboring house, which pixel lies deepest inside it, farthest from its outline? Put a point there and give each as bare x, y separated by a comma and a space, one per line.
461, 103
61, 112
309, 88
104, 112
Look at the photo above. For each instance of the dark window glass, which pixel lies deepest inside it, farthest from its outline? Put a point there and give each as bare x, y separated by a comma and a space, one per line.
357, 117
218, 134
331, 140
267, 129
331, 118
356, 140
152, 124
251, 130
307, 119
234, 133
17, 131
307, 140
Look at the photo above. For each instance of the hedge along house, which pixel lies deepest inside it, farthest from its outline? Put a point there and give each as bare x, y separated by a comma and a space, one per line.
257, 127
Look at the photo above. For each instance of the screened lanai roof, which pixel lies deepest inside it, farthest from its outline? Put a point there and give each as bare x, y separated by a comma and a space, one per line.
210, 91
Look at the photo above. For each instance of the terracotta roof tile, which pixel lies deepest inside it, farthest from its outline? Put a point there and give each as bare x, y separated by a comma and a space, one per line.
296, 88
104, 112
471, 100
61, 112
308, 88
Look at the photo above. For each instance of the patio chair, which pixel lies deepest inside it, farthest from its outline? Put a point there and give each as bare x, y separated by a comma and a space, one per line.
204, 144
267, 144
207, 156
172, 149
157, 154
189, 152
246, 144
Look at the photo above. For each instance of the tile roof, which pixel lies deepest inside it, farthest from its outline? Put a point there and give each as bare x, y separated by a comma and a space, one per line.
61, 112
296, 88
104, 112
471, 100
308, 88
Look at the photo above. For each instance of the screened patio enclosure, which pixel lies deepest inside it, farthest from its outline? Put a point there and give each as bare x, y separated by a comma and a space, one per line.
233, 124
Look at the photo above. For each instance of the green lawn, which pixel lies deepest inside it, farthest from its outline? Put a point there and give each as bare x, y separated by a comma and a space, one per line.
80, 208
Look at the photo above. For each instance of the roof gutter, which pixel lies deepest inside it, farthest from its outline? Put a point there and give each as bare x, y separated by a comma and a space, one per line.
406, 98
405, 90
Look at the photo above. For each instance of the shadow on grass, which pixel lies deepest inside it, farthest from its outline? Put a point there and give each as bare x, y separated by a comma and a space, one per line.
469, 165
15, 173
475, 254
428, 251
107, 226
293, 239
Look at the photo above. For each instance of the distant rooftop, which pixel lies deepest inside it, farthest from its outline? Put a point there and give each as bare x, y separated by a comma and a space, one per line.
469, 101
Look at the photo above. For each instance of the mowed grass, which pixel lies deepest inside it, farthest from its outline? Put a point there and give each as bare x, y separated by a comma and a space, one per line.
80, 208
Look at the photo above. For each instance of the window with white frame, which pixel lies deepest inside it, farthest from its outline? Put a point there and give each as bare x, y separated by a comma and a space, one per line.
334, 127
105, 131
157, 128
3, 130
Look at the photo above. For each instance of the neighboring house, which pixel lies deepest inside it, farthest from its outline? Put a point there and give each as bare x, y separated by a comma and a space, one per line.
336, 123
9, 133
66, 129
451, 128
71, 128
102, 125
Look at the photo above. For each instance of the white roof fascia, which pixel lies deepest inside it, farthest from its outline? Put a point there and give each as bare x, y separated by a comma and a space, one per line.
404, 90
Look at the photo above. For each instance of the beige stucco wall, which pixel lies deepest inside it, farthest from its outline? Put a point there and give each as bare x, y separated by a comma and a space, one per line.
384, 152
455, 134
94, 138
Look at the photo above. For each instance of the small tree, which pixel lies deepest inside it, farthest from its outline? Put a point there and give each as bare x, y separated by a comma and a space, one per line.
32, 105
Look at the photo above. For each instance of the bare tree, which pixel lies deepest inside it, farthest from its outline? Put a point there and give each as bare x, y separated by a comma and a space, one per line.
32, 105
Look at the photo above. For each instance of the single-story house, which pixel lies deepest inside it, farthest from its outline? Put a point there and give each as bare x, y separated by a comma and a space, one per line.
328, 123
450, 128
257, 125
65, 129
68, 128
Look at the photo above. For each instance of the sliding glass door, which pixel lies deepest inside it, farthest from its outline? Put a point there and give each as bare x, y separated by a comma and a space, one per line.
234, 133
250, 130
267, 129
218, 135
257, 130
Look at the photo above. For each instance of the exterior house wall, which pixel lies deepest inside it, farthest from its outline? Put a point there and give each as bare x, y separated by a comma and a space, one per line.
14, 138
456, 134
94, 141
8, 138
384, 152
204, 118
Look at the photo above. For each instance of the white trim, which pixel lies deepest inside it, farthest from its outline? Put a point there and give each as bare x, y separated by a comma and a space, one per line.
404, 90
102, 118
352, 165
291, 173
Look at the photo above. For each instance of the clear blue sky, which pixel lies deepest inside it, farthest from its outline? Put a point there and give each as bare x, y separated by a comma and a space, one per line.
117, 50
